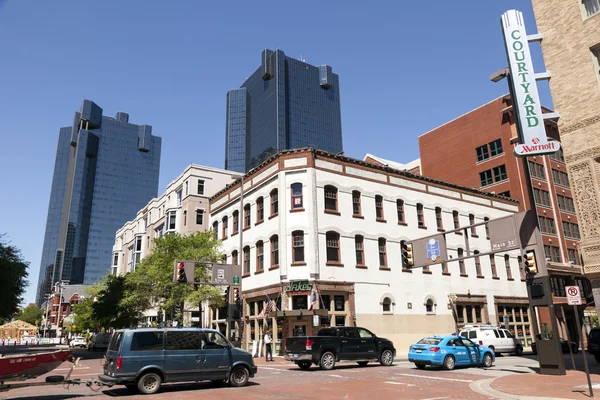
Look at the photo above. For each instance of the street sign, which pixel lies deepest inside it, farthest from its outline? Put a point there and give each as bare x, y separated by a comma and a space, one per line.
503, 235
236, 279
430, 250
526, 100
315, 320
573, 295
433, 250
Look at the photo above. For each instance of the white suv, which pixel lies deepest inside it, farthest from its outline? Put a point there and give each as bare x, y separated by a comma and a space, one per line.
78, 342
498, 339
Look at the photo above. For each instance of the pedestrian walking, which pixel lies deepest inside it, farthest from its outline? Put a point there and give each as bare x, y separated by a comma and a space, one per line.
268, 343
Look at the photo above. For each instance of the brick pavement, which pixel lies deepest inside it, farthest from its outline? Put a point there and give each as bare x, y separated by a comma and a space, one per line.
570, 386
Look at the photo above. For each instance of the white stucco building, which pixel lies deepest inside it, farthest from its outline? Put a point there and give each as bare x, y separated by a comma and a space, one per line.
314, 222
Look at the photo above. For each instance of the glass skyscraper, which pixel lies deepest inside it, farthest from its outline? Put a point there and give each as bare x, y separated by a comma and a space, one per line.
284, 104
106, 169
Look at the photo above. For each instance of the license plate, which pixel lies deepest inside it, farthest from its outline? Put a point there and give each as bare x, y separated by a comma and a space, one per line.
419, 351
295, 355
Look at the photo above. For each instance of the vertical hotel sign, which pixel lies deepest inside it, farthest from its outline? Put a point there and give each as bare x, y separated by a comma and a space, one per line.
526, 100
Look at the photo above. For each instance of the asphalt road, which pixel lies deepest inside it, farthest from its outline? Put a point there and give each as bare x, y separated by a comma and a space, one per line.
283, 380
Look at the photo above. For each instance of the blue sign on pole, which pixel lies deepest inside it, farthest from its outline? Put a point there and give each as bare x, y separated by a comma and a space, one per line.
433, 250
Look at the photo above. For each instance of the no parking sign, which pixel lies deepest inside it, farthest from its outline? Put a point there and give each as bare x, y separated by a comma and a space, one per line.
573, 295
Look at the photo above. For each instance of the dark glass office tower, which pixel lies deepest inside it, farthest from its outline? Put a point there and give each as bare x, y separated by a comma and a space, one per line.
284, 104
106, 169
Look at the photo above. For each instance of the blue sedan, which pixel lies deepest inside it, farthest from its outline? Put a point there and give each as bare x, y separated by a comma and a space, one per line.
449, 352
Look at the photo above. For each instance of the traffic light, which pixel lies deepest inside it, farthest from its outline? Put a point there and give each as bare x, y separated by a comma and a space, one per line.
236, 295
407, 254
181, 278
530, 263
226, 295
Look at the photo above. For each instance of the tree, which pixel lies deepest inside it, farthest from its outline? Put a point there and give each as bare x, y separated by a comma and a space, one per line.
84, 313
13, 270
31, 314
151, 284
109, 309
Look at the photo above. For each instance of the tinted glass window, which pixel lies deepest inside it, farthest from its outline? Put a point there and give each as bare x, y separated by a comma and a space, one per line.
508, 334
468, 343
326, 332
454, 342
183, 340
363, 333
350, 333
496, 333
147, 341
429, 340
463, 333
473, 335
501, 334
115, 343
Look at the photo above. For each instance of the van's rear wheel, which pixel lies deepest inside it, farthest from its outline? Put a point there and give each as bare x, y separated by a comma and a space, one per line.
149, 383
304, 365
327, 361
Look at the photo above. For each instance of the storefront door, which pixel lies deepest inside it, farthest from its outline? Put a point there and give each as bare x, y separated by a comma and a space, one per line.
299, 328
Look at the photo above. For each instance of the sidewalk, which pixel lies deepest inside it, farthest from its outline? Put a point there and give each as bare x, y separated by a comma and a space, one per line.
534, 386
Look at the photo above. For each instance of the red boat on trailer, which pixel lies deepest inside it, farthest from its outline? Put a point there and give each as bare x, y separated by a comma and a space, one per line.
19, 367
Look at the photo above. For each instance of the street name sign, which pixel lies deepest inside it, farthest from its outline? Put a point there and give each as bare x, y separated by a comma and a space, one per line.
526, 100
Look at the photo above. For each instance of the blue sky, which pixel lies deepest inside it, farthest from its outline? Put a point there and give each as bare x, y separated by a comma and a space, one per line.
405, 68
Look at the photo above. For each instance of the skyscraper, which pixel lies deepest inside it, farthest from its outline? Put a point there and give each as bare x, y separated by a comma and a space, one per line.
284, 104
105, 170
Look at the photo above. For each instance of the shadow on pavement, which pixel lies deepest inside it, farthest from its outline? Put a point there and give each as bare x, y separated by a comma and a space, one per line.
122, 391
50, 397
337, 367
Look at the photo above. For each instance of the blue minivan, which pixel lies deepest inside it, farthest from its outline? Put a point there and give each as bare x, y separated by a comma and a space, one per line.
143, 359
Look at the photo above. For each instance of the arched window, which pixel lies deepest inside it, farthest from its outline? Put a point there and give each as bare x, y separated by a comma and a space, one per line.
298, 247
400, 210
224, 227
461, 263
274, 202
356, 209
333, 247
477, 264
438, 218
297, 196
260, 210
247, 260
216, 229
360, 250
487, 228
236, 222
420, 216
331, 198
430, 306
387, 305
456, 220
274, 251
507, 265
234, 257
382, 253
379, 208
473, 228
260, 256
247, 216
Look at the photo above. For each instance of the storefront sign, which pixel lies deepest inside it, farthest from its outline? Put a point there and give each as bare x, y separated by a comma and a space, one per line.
315, 320
526, 100
299, 287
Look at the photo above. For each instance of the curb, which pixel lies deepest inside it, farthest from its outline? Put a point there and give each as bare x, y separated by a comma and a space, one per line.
484, 387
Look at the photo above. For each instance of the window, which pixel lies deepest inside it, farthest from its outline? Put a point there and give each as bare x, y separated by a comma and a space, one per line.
477, 263
571, 230
299, 302
547, 225
590, 7
560, 178
216, 229
505, 194
115, 259
183, 340
521, 267
200, 186
179, 196
333, 247
236, 222
260, 210
487, 228
147, 341
547, 252
137, 251
559, 155
356, 209
438, 218
482, 152
493, 265
274, 202
485, 178
184, 217
496, 147
566, 204
298, 247
507, 266
247, 216
359, 248
473, 228
260, 257
225, 227
455, 219
541, 197
382, 253
400, 210
158, 232
171, 219
387, 305
379, 207
199, 217
555, 254
536, 170
420, 216
429, 306
234, 257
331, 199
296, 196
573, 256
461, 263
499, 173
247, 260
274, 251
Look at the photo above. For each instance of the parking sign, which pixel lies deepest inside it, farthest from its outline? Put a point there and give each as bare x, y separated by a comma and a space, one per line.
573, 295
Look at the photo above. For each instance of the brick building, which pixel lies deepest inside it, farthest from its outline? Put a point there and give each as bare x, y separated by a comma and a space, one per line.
571, 48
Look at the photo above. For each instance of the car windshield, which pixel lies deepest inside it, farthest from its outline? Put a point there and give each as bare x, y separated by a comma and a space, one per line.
429, 340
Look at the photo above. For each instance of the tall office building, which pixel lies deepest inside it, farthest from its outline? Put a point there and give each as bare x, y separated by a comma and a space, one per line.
106, 169
284, 104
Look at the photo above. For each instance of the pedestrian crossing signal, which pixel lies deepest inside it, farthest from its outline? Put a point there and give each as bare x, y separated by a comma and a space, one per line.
407, 254
530, 263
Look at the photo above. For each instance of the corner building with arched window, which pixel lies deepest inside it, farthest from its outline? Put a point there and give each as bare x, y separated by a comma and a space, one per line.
321, 246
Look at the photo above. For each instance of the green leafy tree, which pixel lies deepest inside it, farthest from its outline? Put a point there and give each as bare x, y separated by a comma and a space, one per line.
84, 312
109, 309
13, 270
31, 314
151, 283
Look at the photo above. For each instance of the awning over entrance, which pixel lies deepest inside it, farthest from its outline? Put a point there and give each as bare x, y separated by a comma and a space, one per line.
297, 313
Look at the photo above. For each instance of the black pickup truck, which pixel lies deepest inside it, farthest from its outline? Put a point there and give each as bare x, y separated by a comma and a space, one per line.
339, 344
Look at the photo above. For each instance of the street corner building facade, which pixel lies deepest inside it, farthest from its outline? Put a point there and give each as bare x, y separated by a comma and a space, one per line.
571, 49
321, 246
285, 104
182, 208
105, 169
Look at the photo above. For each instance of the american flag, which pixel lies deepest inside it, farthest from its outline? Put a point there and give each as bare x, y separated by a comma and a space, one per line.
313, 301
267, 308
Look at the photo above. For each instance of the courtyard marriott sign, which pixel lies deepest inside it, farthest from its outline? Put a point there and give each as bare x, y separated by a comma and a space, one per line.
526, 100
